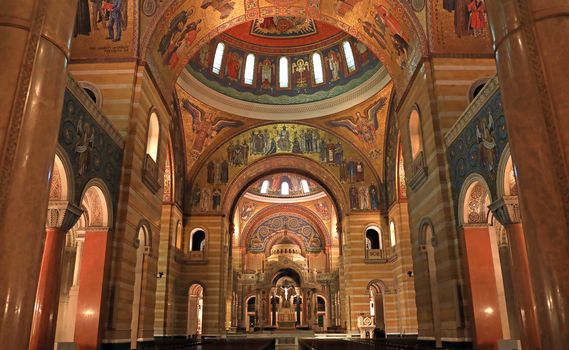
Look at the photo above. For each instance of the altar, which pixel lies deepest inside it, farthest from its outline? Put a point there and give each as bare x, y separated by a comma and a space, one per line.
286, 318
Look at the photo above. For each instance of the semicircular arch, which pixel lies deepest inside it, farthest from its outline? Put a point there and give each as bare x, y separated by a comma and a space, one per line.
279, 214
360, 21
286, 163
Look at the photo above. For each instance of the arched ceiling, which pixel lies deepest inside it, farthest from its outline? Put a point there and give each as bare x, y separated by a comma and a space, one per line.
388, 27
336, 83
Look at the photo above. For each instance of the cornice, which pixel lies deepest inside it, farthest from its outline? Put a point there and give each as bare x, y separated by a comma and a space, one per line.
284, 112
466, 117
90, 106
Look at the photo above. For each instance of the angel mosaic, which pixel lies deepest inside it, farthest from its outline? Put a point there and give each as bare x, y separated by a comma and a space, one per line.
205, 127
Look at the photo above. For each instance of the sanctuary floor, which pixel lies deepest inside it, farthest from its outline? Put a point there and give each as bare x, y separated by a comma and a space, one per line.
306, 344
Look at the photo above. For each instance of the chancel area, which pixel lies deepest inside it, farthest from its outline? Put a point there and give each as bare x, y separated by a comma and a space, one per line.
284, 174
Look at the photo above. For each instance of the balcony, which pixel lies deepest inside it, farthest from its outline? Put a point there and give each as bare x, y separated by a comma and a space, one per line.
191, 257
150, 174
376, 256
419, 172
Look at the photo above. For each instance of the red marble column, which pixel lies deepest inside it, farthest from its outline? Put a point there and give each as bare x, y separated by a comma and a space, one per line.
92, 287
45, 315
506, 211
522, 285
34, 51
61, 217
482, 285
531, 43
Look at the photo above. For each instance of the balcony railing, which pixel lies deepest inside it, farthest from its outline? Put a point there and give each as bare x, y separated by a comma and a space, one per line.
377, 256
419, 171
150, 174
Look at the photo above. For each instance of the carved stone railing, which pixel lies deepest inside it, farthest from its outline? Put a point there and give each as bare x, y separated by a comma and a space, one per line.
376, 256
472, 110
418, 172
190, 258
150, 174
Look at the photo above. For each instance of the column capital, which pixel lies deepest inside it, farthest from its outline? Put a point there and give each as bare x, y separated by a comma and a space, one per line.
507, 210
62, 215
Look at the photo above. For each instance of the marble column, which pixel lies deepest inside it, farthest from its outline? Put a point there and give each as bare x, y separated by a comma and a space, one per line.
506, 211
93, 285
482, 284
61, 217
34, 52
531, 44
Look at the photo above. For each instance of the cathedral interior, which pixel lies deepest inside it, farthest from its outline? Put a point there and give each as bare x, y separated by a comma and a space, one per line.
284, 174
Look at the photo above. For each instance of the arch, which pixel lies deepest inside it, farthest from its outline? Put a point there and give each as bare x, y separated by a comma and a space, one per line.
476, 87
377, 290
249, 72
415, 133
372, 230
284, 73
392, 233
428, 241
287, 163
317, 68
349, 56
93, 92
196, 292
427, 236
218, 58
289, 272
179, 237
198, 240
153, 135
276, 211
364, 28
96, 203
61, 186
474, 199
506, 180
142, 249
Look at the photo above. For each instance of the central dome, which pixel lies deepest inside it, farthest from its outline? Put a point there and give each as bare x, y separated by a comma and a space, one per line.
283, 65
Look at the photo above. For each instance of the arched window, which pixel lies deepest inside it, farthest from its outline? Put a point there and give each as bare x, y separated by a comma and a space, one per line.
198, 241
392, 237
179, 236
415, 133
285, 187
283, 72
153, 134
217, 58
349, 55
305, 187
317, 68
251, 304
373, 239
265, 187
249, 69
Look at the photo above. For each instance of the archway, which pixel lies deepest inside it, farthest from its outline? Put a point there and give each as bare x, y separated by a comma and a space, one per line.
195, 310
482, 263
142, 248
250, 313
376, 303
427, 243
92, 260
